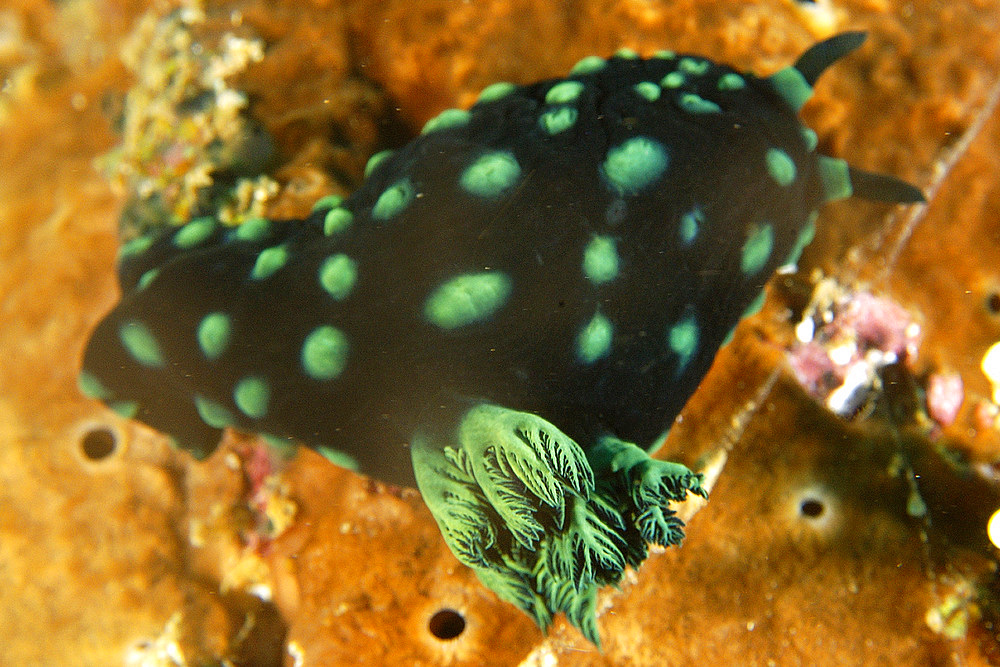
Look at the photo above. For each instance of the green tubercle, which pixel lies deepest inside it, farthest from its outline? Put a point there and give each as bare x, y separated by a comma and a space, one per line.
693, 66
194, 233
213, 334
647, 90
327, 202
690, 225
697, 105
92, 387
394, 199
683, 340
757, 249
124, 409
146, 278
269, 261
491, 174
337, 220
588, 65
558, 120
594, 340
375, 160
252, 395
780, 166
564, 92
339, 458
468, 298
805, 238
496, 91
136, 246
212, 413
254, 229
324, 353
673, 80
600, 260
337, 275
634, 164
448, 118
731, 81
141, 344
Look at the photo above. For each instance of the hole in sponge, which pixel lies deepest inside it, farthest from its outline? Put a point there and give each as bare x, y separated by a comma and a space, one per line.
446, 624
98, 443
993, 303
811, 508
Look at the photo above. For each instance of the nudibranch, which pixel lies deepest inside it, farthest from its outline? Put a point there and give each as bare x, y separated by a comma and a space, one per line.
508, 313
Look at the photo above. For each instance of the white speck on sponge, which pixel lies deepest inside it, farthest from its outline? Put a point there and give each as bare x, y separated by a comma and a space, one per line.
991, 369
993, 529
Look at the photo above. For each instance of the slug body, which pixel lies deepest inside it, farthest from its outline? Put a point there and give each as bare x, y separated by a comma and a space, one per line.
505, 305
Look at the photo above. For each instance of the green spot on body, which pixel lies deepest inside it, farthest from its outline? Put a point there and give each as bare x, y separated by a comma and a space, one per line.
252, 395
809, 138
91, 387
194, 232
757, 249
693, 66
627, 54
564, 92
496, 91
589, 65
284, 446
269, 261
254, 229
125, 409
558, 120
693, 103
141, 344
491, 174
690, 224
446, 119
600, 260
146, 278
731, 81
780, 166
647, 90
594, 340
375, 160
683, 340
338, 457
805, 238
337, 220
395, 198
324, 353
792, 87
468, 298
634, 164
673, 80
212, 413
665, 54
755, 305
213, 334
136, 246
337, 275
327, 202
